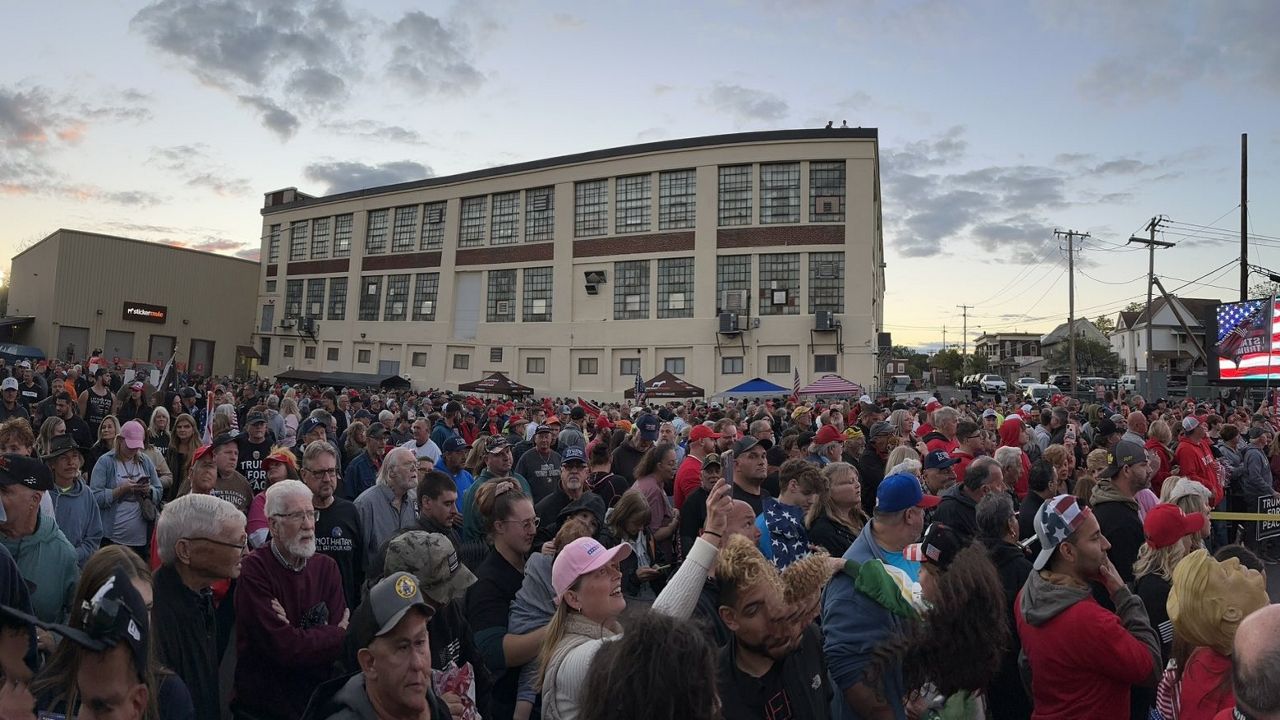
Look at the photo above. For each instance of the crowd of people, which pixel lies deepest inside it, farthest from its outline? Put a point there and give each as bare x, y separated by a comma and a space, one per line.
260, 551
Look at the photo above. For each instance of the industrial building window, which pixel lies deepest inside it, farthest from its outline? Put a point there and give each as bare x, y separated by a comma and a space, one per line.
537, 294
535, 365
342, 235
778, 363
273, 244
404, 236
731, 365
826, 191
591, 208
733, 276
331, 354
826, 282
433, 226
505, 224
780, 284
293, 298
424, 296
461, 361
268, 318
634, 199
397, 307
471, 229
735, 195
539, 214
338, 298
315, 298
629, 366
271, 286
502, 296
309, 352
676, 200
631, 290
495, 355
370, 297
375, 239
824, 363
363, 356
286, 351
320, 238
588, 366
419, 359
675, 288
779, 193
298, 241
674, 365
265, 350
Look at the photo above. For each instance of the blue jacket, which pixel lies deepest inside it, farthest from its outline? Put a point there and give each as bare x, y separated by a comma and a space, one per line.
103, 481
441, 432
48, 565
78, 518
359, 476
462, 479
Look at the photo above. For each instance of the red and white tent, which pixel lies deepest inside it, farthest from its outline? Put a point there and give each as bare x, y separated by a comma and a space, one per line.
832, 385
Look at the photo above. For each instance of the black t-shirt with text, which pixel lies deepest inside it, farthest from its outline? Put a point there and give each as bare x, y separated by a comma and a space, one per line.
250, 462
338, 536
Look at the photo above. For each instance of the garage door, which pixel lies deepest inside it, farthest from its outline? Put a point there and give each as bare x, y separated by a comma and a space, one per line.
118, 345
73, 343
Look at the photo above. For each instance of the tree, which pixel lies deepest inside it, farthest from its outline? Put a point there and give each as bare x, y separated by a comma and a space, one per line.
977, 363
1135, 306
947, 361
1092, 358
1263, 289
1105, 324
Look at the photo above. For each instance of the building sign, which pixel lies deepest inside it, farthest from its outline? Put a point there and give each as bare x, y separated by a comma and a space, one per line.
143, 312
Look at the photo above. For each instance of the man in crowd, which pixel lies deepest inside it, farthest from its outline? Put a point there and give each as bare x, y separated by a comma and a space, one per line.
252, 446
44, 555
574, 432
938, 472
447, 425
783, 536
291, 615
1075, 673
998, 533
10, 407
702, 441
200, 540
231, 485
871, 463
970, 439
338, 534
451, 463
497, 464
363, 469
1255, 661
1195, 459
1115, 506
190, 406
98, 401
628, 454
752, 470
1136, 431
694, 515
438, 506
389, 506
943, 436
572, 486
421, 443
74, 505
77, 428
959, 505
540, 465
1042, 484
30, 392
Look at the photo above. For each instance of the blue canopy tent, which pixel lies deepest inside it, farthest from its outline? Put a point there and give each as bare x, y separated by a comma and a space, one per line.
12, 352
755, 388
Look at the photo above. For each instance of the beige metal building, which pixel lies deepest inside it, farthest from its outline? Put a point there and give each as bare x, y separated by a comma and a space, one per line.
717, 258
134, 300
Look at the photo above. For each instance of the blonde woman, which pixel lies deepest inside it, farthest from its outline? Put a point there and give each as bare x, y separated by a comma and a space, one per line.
107, 431
49, 429
1193, 497
292, 419
837, 518
158, 430
899, 454
1171, 536
1095, 463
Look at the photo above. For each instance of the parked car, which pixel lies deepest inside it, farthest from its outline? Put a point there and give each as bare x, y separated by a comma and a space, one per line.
1023, 383
1128, 383
1061, 381
900, 383
1039, 392
992, 384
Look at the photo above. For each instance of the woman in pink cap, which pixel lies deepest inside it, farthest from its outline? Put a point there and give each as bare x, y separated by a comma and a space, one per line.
589, 599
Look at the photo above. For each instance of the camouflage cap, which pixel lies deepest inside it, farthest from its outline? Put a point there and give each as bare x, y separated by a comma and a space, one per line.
433, 559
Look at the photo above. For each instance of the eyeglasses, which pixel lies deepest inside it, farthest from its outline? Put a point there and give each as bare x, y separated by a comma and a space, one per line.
300, 516
530, 524
238, 546
325, 472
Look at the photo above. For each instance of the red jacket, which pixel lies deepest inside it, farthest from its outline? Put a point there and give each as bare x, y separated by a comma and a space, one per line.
1195, 461
963, 461
1166, 463
1206, 686
688, 478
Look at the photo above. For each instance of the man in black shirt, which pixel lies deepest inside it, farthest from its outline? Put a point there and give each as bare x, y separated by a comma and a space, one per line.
1115, 507
254, 445
751, 467
627, 456
694, 513
337, 521
98, 401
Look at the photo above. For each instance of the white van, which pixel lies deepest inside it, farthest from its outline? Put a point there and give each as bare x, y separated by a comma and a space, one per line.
1128, 383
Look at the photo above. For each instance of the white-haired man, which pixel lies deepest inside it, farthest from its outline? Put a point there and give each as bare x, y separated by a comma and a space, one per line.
390, 505
201, 541
291, 614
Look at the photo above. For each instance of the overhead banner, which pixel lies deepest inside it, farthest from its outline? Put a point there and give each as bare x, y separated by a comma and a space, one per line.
1245, 347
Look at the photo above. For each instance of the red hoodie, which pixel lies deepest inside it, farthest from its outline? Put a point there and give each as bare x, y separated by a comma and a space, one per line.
1195, 461
1010, 430
1166, 463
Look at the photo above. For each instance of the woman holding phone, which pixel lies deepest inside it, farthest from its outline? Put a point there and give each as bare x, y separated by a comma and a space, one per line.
123, 481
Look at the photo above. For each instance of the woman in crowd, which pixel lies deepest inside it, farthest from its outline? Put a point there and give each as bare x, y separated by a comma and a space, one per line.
279, 465
1095, 463
654, 474
158, 431
837, 518
133, 404
156, 454
589, 595
900, 454
475, 461
354, 444
1063, 462
1159, 442
123, 480
107, 431
1192, 497
49, 429
629, 524
292, 419
509, 523
55, 686
182, 445
602, 480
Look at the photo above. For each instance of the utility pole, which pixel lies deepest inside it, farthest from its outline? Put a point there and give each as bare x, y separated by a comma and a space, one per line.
1151, 244
944, 338
965, 330
1244, 216
1071, 236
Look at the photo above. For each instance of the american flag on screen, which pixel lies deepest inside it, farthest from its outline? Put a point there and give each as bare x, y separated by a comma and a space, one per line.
1247, 332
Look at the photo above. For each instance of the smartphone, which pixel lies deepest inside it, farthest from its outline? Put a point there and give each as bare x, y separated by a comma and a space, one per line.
660, 568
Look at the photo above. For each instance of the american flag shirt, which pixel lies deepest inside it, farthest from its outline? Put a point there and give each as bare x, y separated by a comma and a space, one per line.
783, 537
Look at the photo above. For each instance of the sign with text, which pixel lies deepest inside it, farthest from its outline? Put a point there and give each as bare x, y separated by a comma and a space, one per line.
1268, 529
142, 312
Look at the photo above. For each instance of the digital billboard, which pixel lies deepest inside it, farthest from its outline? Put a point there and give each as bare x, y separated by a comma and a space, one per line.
1246, 342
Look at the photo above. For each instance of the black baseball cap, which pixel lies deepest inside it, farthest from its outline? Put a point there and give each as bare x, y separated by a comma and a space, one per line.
25, 471
225, 438
747, 442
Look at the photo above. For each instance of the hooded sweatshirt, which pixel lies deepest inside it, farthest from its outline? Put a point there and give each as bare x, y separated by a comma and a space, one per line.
1076, 674
48, 565
958, 511
78, 518
351, 702
1009, 432
1195, 461
1121, 525
1166, 463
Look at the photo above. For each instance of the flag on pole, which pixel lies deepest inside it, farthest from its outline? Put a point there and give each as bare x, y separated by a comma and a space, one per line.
168, 375
639, 389
588, 407
795, 385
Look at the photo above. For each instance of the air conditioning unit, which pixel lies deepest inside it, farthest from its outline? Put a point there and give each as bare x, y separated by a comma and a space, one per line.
828, 205
729, 322
823, 320
778, 297
435, 216
287, 323
735, 301
502, 307
825, 270
539, 203
427, 307
593, 279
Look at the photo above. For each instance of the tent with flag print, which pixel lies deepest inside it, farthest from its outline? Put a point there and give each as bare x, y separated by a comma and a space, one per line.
496, 384
666, 385
832, 385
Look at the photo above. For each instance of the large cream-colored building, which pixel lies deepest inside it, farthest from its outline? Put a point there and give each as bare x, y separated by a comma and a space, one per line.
74, 292
717, 258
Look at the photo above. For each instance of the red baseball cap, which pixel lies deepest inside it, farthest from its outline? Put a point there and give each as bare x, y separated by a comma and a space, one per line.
702, 432
1166, 524
932, 405
827, 434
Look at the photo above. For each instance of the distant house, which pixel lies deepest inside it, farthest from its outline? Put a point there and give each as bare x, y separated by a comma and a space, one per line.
1172, 349
1084, 328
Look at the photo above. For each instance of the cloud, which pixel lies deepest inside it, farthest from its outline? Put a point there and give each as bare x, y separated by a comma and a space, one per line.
747, 104
130, 198
316, 85
374, 130
273, 117
192, 163
341, 176
429, 57
250, 253
567, 21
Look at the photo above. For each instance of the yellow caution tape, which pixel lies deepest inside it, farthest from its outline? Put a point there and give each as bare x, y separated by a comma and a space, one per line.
1264, 517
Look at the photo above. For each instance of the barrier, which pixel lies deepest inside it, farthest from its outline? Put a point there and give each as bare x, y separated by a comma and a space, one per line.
1267, 518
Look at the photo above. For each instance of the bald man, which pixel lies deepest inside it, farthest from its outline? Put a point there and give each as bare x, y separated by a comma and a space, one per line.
1255, 673
1137, 428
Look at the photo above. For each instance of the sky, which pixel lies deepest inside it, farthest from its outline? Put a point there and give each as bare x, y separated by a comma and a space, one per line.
999, 122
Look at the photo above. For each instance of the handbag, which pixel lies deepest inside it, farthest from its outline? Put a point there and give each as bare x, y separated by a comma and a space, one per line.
148, 508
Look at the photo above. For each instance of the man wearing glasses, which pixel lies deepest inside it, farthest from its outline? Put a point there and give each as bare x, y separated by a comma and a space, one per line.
337, 521
291, 614
390, 505
200, 540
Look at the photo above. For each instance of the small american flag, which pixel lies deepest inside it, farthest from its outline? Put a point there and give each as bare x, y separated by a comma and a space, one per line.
639, 389
795, 385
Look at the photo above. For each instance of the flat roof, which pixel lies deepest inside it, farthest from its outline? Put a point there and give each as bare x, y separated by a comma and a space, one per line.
134, 240
761, 136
